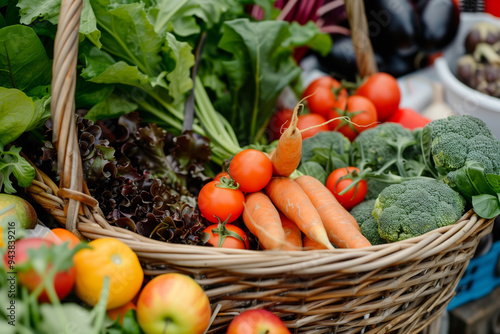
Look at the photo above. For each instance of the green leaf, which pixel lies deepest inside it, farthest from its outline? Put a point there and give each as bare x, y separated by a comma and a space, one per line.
79, 319
2, 21
88, 94
315, 170
261, 67
44, 9
424, 138
477, 177
463, 184
21, 168
486, 206
179, 80
48, 10
23, 61
16, 114
494, 181
88, 24
42, 112
127, 33
184, 15
102, 68
113, 106
309, 35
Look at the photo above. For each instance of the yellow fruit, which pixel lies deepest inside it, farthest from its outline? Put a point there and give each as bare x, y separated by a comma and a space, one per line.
107, 257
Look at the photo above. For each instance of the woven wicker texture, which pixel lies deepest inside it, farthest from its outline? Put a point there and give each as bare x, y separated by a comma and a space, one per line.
393, 288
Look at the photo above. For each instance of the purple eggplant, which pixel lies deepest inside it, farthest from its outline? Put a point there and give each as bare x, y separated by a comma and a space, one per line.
439, 21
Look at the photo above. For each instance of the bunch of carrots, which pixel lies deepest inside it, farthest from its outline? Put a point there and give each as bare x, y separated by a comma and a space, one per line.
289, 212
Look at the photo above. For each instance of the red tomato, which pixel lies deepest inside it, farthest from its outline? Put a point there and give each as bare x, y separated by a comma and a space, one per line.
221, 175
216, 201
278, 122
323, 97
353, 196
228, 232
383, 90
362, 113
251, 169
256, 321
18, 254
409, 118
308, 120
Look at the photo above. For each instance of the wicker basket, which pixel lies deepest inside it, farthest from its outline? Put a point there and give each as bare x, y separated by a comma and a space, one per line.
394, 288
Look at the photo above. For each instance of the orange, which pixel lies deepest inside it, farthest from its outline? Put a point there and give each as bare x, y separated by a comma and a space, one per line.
112, 258
66, 236
120, 312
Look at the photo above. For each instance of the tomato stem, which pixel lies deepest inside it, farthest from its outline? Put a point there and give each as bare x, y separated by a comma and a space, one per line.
228, 183
223, 232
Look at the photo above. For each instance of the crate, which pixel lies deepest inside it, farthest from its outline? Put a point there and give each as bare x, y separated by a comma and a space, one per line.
480, 278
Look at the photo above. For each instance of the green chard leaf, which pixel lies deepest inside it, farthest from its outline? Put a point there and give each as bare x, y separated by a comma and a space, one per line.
48, 10
23, 61
261, 67
113, 106
310, 35
180, 55
182, 15
127, 33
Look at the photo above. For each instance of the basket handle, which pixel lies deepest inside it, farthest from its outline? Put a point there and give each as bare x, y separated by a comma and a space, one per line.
72, 187
360, 35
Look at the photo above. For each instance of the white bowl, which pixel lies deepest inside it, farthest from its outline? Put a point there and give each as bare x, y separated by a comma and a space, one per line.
460, 97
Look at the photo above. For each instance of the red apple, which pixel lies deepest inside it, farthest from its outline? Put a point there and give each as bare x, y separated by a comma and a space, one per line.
257, 321
173, 304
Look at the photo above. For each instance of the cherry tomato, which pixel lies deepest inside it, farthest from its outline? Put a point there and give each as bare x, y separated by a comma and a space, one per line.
308, 120
18, 254
251, 169
231, 235
221, 175
362, 114
323, 96
409, 118
353, 196
218, 201
278, 122
383, 90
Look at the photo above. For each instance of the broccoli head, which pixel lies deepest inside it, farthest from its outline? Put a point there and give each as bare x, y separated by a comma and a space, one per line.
385, 145
415, 207
457, 139
368, 225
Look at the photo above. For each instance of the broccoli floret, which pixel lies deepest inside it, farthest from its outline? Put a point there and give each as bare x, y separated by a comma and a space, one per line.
416, 207
380, 147
368, 225
457, 139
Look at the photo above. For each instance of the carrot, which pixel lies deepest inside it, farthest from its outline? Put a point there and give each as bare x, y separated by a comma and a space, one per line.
293, 235
263, 220
310, 244
340, 225
286, 156
290, 199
